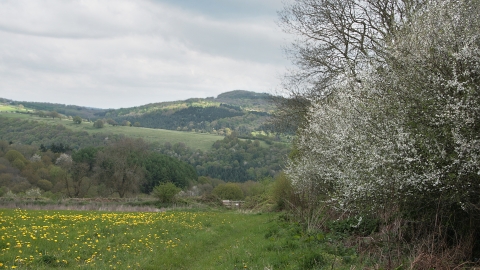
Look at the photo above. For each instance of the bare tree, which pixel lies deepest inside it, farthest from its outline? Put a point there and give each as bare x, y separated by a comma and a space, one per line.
335, 39
119, 165
80, 183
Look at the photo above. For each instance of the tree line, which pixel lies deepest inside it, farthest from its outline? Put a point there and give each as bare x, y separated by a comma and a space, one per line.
125, 167
233, 159
200, 119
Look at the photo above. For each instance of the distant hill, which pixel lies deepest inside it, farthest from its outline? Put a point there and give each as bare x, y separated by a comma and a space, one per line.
67, 110
240, 111
237, 111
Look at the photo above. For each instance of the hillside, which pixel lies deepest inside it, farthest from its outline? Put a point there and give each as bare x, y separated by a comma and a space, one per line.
30, 129
240, 111
237, 111
67, 110
228, 158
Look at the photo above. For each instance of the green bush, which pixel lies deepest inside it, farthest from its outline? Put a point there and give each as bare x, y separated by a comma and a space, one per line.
166, 192
77, 119
98, 124
45, 184
282, 191
12, 155
228, 191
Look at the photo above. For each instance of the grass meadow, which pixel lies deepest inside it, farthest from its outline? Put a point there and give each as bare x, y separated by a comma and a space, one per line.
6, 108
46, 239
202, 141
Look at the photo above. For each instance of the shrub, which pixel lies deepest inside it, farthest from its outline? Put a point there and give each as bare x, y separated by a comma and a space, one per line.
228, 191
45, 184
282, 191
33, 193
98, 124
166, 192
77, 120
10, 195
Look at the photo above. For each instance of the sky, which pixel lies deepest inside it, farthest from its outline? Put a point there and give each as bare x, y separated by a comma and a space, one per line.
125, 53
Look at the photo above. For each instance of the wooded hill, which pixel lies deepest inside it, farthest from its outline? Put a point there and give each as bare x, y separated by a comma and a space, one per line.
237, 111
228, 158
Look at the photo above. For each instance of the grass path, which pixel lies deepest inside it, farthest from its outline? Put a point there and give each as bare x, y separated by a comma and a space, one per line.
166, 240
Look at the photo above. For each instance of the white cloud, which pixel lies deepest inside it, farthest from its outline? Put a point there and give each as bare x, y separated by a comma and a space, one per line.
126, 53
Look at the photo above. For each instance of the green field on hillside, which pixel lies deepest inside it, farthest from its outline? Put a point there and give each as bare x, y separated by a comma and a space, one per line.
9, 108
163, 240
202, 141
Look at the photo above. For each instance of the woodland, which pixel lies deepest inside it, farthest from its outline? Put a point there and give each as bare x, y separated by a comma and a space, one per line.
76, 164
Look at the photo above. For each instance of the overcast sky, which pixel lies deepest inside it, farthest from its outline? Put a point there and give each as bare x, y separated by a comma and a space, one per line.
124, 53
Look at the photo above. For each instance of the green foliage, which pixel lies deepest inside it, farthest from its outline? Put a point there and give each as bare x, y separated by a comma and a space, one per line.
48, 260
98, 124
166, 192
120, 165
233, 159
112, 122
47, 131
86, 155
241, 111
363, 226
54, 114
77, 119
10, 195
282, 191
198, 118
13, 155
45, 185
68, 110
19, 164
161, 169
242, 94
313, 260
50, 133
228, 191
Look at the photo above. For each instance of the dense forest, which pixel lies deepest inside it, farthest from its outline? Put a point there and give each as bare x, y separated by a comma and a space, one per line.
233, 159
185, 119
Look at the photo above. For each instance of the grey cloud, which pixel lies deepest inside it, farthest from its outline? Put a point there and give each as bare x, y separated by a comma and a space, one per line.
124, 53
